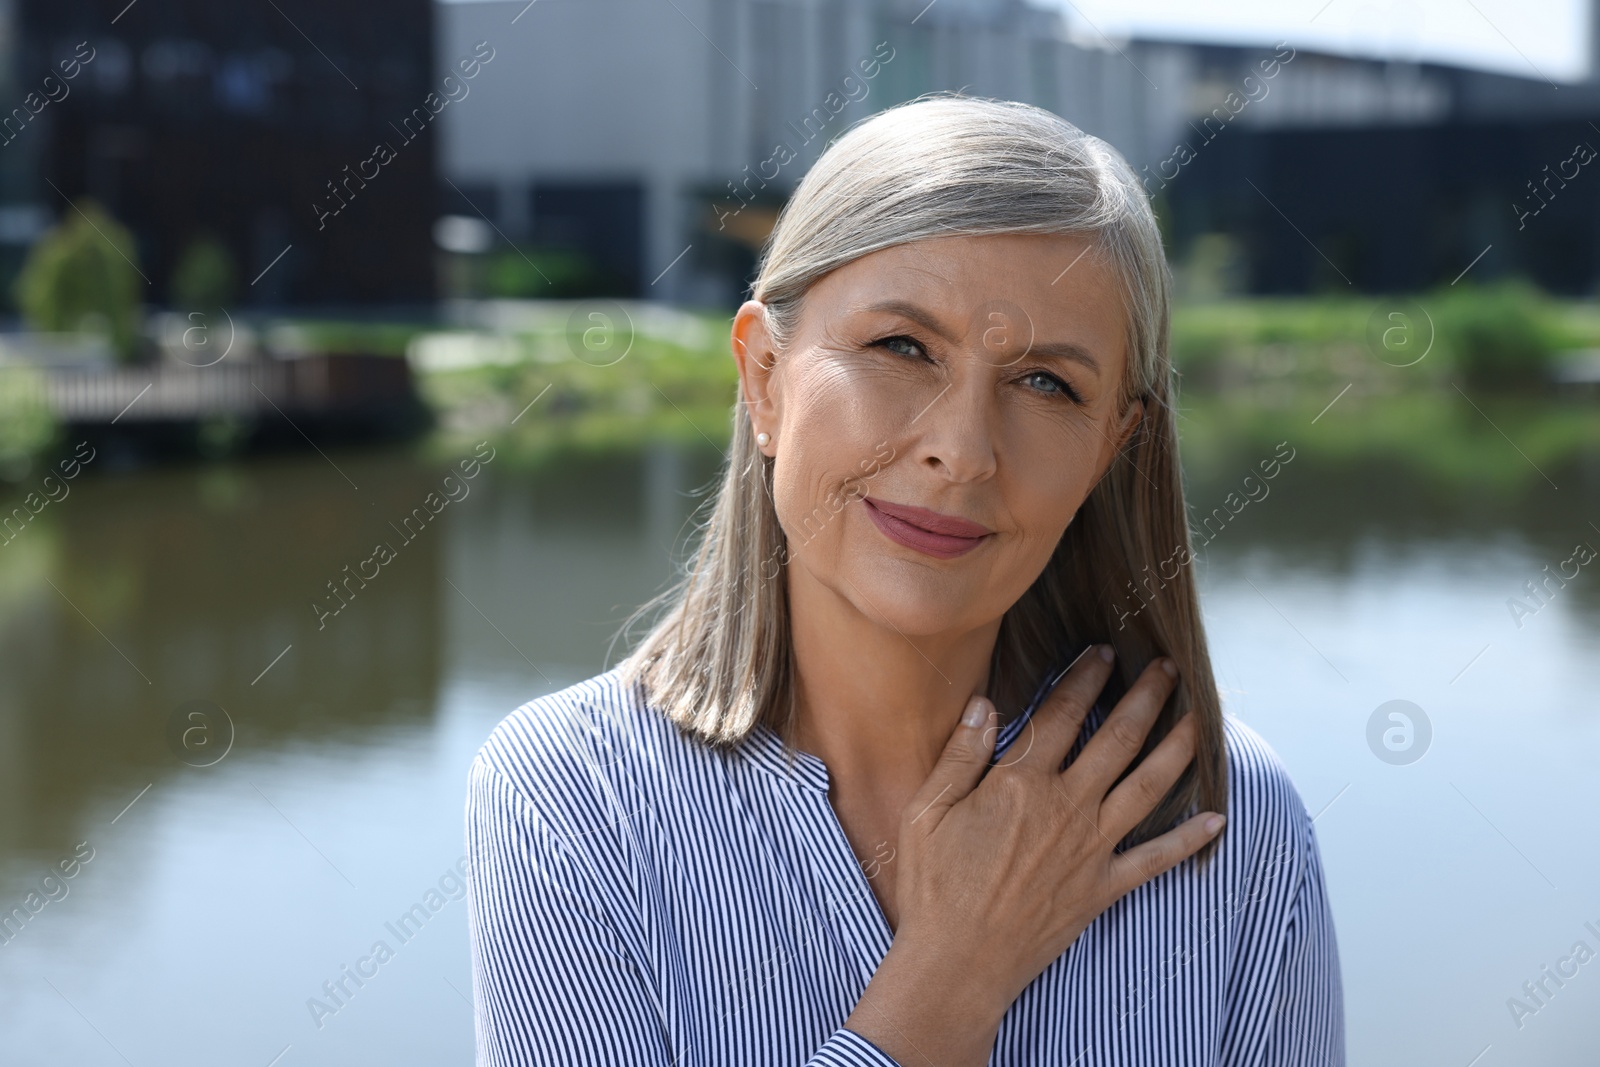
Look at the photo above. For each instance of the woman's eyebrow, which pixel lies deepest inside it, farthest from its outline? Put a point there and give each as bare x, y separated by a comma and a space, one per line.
910, 311
926, 318
1064, 350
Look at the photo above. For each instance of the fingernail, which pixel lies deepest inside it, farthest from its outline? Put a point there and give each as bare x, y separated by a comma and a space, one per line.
1214, 823
1170, 667
977, 712
1107, 652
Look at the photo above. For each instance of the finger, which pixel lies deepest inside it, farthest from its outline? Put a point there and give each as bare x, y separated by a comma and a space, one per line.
1050, 732
1119, 738
1138, 794
1139, 864
960, 765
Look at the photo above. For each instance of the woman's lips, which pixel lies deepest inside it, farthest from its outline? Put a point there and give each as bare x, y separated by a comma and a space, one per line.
909, 526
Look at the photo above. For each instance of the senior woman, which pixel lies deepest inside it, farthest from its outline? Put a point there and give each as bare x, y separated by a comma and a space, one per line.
897, 775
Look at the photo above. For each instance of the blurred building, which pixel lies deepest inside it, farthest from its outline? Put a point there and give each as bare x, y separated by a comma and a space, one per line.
647, 136
256, 123
657, 137
1386, 176
656, 140
1376, 176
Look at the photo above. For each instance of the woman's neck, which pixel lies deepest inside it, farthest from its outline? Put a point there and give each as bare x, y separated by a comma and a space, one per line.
876, 705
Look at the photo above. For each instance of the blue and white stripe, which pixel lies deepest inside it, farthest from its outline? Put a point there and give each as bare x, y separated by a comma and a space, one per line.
639, 898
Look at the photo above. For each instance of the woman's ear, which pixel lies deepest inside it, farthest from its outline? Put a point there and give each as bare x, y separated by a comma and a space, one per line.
1130, 422
756, 357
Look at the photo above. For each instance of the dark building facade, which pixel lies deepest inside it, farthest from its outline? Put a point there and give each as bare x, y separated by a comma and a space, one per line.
1391, 209
298, 132
1503, 175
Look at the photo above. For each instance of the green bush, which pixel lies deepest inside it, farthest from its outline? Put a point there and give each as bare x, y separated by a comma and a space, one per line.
27, 424
371, 338
205, 277
1215, 266
1501, 335
81, 276
551, 274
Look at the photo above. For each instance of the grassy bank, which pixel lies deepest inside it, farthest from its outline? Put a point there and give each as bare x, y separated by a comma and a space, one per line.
1457, 383
548, 387
1477, 407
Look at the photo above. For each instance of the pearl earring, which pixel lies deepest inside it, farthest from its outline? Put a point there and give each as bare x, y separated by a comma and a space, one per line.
763, 438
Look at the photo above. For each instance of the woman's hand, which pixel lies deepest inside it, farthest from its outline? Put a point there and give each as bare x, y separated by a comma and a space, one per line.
996, 878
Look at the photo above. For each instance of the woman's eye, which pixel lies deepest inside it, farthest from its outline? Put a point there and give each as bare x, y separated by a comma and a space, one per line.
1049, 383
901, 340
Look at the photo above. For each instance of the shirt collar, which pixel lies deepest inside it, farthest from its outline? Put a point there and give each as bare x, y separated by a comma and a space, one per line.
1010, 731
766, 749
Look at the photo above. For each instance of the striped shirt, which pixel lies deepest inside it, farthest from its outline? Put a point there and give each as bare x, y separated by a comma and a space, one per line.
637, 897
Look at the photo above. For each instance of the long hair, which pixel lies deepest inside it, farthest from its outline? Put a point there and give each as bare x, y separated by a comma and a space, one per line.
718, 658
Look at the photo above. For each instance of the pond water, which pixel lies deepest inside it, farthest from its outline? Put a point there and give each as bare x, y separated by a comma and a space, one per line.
250, 792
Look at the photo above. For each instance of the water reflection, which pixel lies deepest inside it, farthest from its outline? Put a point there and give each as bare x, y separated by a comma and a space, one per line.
221, 898
140, 593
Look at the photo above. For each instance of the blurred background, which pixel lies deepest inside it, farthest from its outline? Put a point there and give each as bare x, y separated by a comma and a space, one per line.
282, 282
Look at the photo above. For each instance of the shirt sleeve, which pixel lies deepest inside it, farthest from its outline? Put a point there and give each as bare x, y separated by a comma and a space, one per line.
555, 979
1307, 1022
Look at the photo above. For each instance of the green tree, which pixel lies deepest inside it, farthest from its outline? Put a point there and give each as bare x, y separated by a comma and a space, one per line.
82, 276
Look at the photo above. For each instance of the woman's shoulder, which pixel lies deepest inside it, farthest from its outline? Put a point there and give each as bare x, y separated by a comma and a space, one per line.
1257, 775
571, 753
1267, 819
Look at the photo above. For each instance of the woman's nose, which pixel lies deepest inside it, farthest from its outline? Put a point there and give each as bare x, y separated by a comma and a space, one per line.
959, 427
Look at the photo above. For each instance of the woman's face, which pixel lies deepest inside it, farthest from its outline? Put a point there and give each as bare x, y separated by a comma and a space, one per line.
975, 377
